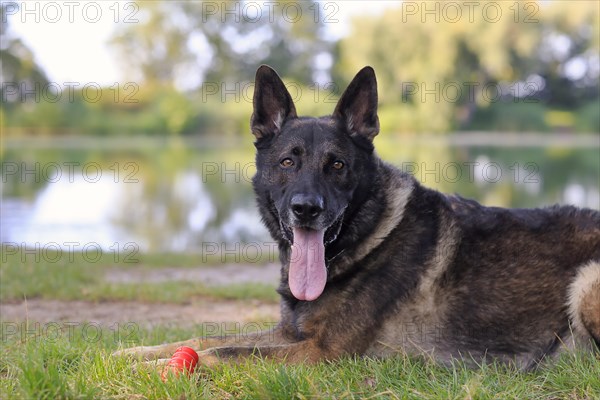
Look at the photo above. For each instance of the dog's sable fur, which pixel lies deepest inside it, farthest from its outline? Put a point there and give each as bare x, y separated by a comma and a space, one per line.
408, 269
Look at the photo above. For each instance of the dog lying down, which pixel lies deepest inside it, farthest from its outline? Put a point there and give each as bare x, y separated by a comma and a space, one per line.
373, 263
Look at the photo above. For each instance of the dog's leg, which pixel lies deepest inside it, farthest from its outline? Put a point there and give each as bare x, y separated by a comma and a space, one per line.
148, 353
305, 351
164, 351
584, 301
293, 353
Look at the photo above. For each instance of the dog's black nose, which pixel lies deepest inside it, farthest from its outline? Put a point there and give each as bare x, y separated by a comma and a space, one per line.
306, 207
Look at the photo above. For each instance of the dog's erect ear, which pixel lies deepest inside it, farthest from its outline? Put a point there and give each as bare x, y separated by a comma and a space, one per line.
357, 107
272, 103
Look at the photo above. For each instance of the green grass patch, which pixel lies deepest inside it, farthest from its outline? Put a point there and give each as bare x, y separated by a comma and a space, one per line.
77, 364
193, 260
74, 276
181, 292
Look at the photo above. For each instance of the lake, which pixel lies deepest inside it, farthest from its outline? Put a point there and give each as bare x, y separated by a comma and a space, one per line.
190, 195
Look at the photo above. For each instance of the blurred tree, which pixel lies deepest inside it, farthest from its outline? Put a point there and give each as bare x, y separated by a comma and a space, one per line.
183, 43
19, 70
439, 61
568, 57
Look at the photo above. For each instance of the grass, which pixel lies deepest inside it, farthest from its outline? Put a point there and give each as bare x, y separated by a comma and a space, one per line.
180, 292
60, 361
74, 277
76, 364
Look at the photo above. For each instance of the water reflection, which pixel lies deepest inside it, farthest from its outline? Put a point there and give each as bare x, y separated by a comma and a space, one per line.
177, 201
64, 212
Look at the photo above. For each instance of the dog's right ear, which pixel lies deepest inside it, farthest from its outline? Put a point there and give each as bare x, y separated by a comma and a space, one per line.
272, 103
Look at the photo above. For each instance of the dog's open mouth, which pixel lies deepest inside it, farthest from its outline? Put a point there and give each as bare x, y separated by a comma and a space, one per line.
307, 274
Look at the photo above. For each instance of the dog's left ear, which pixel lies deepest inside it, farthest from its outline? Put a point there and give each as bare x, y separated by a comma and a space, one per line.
272, 103
357, 108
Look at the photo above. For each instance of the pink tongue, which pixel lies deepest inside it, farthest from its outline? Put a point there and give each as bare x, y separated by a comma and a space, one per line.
308, 274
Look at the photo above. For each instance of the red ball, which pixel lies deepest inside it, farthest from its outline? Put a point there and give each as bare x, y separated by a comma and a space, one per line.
184, 360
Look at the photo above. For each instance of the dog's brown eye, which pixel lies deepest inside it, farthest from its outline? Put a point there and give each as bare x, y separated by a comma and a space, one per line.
287, 162
338, 165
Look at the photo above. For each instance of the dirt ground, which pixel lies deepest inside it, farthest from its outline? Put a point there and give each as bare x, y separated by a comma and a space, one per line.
222, 275
144, 314
196, 312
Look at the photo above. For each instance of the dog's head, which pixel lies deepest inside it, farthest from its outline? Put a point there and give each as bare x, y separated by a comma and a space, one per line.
309, 170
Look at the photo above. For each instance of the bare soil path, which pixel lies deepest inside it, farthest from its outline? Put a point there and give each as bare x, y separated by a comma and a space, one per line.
227, 274
195, 312
143, 314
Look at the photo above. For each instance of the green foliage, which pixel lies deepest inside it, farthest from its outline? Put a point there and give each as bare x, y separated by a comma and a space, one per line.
19, 69
220, 42
445, 68
151, 111
193, 65
588, 118
511, 117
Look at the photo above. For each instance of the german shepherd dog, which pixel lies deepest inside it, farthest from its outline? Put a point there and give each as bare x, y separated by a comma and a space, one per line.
374, 264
